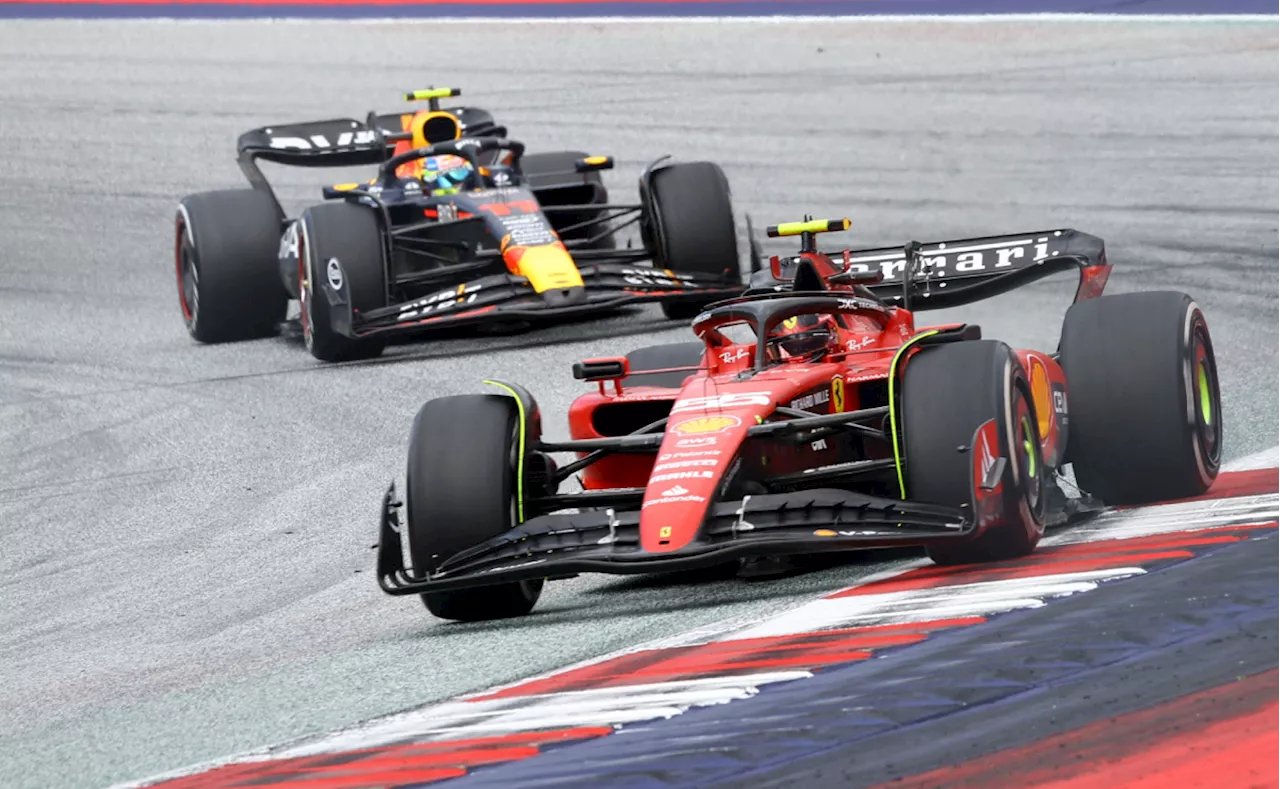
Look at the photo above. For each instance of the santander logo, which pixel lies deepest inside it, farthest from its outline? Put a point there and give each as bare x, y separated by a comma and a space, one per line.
676, 494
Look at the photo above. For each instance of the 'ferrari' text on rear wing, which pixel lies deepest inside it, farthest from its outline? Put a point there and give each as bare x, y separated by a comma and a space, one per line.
951, 273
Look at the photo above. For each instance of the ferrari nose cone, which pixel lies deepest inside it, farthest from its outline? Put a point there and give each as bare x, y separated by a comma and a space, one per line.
565, 297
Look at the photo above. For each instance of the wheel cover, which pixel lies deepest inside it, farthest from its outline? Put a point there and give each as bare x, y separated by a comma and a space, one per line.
1202, 384
1207, 403
1028, 444
190, 284
188, 274
1028, 447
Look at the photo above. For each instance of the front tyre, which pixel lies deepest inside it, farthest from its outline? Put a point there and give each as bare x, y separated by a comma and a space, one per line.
948, 392
349, 234
461, 491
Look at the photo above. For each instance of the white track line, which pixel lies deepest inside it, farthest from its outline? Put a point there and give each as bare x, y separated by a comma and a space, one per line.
612, 707
931, 604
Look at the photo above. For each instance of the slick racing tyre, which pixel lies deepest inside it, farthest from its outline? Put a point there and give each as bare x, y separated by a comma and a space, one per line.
1142, 397
460, 491
225, 246
348, 234
555, 183
692, 228
948, 392
663, 357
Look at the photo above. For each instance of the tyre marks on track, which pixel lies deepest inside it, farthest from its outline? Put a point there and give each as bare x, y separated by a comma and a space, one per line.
1224, 736
843, 628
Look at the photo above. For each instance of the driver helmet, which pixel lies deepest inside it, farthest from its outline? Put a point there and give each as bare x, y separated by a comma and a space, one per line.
445, 174
803, 335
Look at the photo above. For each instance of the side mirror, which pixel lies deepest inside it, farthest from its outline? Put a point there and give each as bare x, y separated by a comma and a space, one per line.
851, 276
338, 190
783, 269
600, 369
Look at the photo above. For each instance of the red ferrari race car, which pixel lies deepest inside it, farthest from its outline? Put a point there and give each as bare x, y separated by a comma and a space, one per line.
813, 415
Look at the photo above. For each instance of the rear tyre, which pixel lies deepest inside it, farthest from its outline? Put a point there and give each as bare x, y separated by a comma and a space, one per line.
225, 246
350, 234
663, 357
1143, 399
948, 392
460, 491
692, 227
546, 172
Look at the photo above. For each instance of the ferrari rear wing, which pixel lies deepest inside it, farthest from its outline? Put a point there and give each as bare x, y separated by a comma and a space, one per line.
947, 274
944, 274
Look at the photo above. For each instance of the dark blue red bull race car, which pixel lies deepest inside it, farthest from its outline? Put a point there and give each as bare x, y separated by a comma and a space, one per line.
458, 227
813, 414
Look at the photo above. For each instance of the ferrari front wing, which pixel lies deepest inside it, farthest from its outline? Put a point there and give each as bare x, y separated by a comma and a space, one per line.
561, 545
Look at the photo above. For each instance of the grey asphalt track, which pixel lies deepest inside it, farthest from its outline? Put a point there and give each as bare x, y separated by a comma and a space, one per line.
186, 531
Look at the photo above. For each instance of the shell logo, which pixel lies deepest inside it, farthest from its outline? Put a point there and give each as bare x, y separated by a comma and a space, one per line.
706, 424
